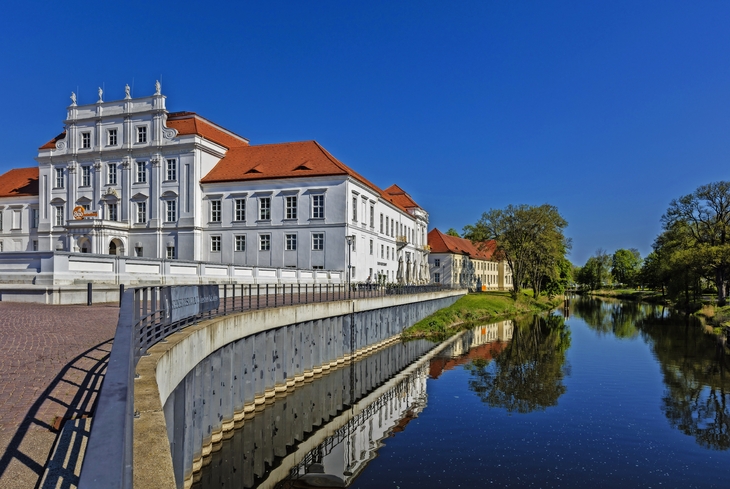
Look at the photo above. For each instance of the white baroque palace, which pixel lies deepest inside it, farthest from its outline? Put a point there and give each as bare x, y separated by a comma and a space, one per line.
129, 178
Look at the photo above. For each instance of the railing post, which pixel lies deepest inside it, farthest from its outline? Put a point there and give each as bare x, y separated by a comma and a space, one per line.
258, 296
225, 298
88, 294
276, 292
267, 295
299, 291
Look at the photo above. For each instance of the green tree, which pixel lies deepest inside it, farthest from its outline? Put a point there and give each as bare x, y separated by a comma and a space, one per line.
626, 265
453, 232
704, 217
564, 277
595, 273
530, 238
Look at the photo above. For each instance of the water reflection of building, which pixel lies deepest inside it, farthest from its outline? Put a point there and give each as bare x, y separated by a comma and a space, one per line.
483, 342
336, 418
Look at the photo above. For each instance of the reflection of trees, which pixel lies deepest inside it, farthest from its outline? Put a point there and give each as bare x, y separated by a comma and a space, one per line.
697, 398
617, 318
528, 373
694, 369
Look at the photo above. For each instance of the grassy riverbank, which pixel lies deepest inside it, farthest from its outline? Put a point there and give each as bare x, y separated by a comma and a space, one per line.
482, 306
631, 295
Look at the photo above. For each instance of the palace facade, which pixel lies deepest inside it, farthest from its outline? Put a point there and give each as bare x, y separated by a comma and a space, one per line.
128, 177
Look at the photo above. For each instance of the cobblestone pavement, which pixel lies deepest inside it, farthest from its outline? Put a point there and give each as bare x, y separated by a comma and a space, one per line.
52, 360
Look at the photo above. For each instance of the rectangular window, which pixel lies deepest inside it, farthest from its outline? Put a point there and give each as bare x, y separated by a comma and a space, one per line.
372, 245
112, 212
16, 219
290, 207
215, 211
85, 140
141, 172
382, 252
354, 208
381, 223
34, 218
171, 211
240, 209
437, 277
59, 178
111, 139
138, 251
141, 212
387, 253
112, 174
392, 229
59, 215
142, 134
86, 176
354, 243
170, 253
291, 242
241, 242
352, 272
35, 245
318, 206
171, 169
215, 244
372, 216
437, 262
265, 208
387, 222
318, 241
264, 242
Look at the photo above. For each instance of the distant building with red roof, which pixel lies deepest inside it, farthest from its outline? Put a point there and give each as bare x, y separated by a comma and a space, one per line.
457, 262
128, 177
19, 210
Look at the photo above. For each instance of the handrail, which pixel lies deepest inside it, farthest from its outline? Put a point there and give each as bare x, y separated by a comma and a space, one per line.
146, 317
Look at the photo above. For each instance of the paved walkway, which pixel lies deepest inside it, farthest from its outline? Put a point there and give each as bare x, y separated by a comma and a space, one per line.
52, 361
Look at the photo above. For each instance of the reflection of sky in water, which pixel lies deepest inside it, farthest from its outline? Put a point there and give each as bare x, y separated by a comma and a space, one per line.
607, 430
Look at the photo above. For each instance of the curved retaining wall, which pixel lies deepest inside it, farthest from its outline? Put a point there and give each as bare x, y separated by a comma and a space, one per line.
210, 376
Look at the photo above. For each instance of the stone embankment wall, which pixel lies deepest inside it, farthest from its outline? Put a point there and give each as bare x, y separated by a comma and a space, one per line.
195, 388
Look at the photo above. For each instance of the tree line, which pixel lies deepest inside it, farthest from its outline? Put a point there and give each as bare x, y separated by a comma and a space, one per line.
690, 257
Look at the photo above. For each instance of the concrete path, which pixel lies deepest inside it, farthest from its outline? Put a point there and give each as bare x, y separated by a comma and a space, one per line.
52, 361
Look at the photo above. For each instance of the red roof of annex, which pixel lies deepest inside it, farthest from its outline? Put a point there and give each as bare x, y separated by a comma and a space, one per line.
444, 243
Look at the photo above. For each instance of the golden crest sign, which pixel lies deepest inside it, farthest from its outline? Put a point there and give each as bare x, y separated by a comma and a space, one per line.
81, 213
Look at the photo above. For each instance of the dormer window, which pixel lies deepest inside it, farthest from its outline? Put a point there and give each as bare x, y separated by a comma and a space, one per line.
112, 137
85, 140
142, 134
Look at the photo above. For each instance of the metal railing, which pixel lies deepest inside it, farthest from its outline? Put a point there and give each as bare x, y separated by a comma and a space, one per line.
147, 315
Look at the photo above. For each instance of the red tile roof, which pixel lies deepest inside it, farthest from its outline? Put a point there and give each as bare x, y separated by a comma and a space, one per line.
191, 123
286, 160
19, 182
443, 243
401, 197
52, 143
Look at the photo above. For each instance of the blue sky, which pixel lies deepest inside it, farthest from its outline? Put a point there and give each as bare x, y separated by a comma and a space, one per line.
607, 110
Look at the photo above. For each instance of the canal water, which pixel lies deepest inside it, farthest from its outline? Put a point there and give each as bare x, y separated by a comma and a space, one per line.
613, 395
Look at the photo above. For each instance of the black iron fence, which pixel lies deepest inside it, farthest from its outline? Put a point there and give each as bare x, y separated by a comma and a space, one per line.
147, 315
